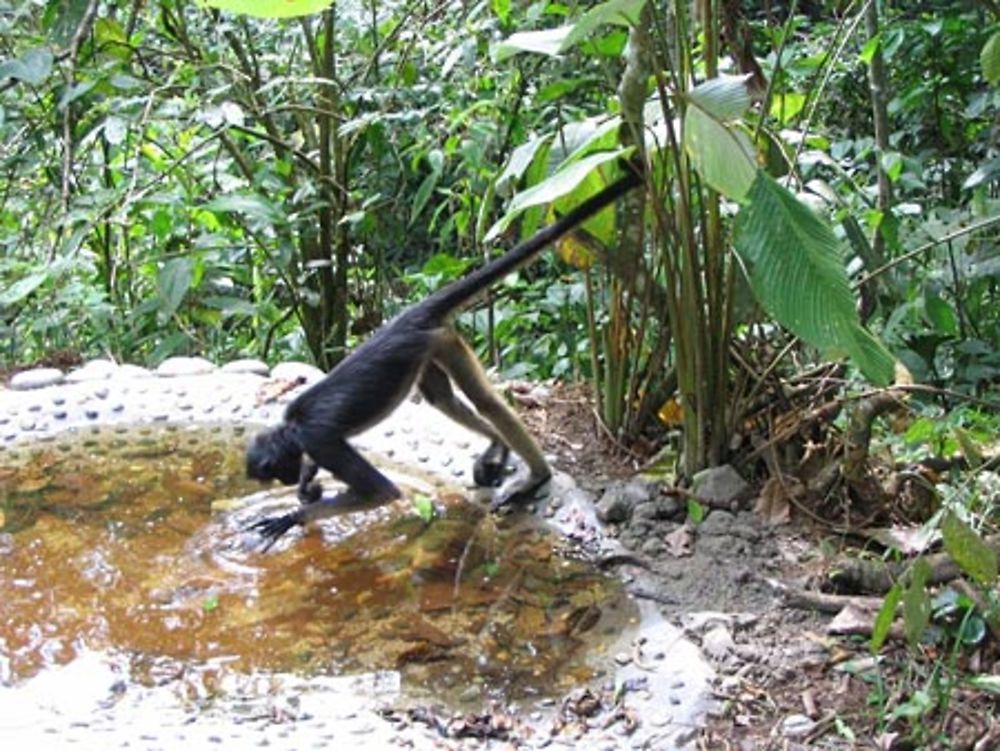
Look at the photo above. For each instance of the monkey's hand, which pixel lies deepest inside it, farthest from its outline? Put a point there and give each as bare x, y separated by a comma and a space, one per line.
310, 493
274, 528
522, 493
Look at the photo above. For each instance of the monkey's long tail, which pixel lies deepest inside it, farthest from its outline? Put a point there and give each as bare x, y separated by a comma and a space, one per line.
456, 294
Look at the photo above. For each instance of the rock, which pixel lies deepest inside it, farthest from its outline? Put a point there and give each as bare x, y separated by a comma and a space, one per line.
185, 366
656, 510
797, 726
621, 497
36, 378
718, 523
703, 621
653, 547
246, 365
290, 371
718, 642
720, 487
133, 371
94, 370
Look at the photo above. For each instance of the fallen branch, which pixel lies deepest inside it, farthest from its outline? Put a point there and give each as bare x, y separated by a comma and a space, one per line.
877, 577
803, 599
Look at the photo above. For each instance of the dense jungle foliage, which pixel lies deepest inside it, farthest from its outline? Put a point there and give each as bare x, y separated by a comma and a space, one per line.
820, 187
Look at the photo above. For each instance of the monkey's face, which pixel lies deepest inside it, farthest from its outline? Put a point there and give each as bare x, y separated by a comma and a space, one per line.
271, 456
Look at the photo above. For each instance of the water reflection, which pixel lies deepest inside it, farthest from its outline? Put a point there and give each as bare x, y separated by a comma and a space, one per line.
131, 544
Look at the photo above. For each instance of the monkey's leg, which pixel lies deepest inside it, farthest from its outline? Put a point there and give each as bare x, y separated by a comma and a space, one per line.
458, 359
488, 470
367, 488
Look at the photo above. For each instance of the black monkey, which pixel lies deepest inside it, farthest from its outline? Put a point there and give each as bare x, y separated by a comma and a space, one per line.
420, 346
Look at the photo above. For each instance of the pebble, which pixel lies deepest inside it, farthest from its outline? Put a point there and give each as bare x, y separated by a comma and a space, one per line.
718, 642
797, 725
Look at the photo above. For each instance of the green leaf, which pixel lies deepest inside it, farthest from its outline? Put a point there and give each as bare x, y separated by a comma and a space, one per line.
251, 205
977, 559
554, 42
990, 683
870, 48
270, 8
696, 512
614, 12
501, 9
984, 173
989, 59
210, 603
797, 274
230, 306
520, 159
917, 603
786, 107
173, 283
970, 449
424, 507
940, 314
444, 265
723, 155
423, 194
545, 42
162, 224
115, 130
23, 287
886, 614
560, 184
32, 67
723, 98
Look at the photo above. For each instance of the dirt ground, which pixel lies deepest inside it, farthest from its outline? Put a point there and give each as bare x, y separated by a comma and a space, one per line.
783, 681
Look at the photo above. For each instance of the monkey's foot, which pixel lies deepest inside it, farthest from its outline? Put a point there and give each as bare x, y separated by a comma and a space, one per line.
523, 493
274, 528
491, 466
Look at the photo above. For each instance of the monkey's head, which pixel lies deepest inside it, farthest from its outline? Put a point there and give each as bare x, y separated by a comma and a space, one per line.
274, 454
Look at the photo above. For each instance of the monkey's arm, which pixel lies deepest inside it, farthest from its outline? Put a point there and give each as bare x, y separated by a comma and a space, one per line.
367, 488
309, 491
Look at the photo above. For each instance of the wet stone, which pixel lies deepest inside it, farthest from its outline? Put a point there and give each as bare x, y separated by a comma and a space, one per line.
59, 400
119, 407
59, 414
28, 425
92, 414
36, 378
102, 392
35, 408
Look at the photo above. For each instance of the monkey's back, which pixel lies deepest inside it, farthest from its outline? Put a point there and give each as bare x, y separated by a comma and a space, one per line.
368, 384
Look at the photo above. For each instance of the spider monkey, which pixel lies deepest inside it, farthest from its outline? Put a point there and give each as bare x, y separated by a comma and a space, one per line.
420, 346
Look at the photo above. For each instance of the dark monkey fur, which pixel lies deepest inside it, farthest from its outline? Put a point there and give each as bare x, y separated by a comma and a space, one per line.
419, 346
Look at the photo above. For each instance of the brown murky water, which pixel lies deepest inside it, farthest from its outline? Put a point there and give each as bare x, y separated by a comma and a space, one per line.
132, 544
